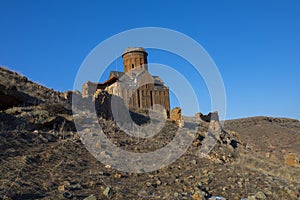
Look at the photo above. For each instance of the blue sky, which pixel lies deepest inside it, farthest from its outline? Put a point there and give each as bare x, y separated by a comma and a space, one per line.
255, 44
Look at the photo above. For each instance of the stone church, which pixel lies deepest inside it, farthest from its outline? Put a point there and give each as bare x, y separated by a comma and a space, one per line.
136, 86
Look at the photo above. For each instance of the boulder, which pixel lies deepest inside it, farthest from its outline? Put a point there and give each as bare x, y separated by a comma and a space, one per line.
292, 160
176, 116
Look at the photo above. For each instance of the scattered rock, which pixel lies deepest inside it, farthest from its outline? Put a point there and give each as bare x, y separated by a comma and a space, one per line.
176, 194
251, 198
148, 184
292, 160
74, 186
91, 197
260, 195
61, 188
217, 198
158, 182
199, 195
107, 192
269, 193
67, 195
117, 175
43, 139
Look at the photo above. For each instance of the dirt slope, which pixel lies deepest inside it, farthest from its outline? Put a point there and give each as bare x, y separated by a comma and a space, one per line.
42, 156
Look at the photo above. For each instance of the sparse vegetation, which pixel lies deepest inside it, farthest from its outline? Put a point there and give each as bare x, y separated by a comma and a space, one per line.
42, 156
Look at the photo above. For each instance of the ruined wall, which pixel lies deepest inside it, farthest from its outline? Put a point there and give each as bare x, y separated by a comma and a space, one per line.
176, 116
113, 89
88, 89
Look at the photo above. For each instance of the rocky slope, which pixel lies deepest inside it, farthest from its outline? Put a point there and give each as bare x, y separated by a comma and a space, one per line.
42, 156
17, 90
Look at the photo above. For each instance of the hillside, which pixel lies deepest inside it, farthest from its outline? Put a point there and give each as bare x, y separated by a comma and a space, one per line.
43, 157
17, 90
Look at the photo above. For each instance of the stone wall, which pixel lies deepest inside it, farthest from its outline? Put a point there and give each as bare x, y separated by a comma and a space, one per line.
209, 117
148, 95
134, 58
176, 116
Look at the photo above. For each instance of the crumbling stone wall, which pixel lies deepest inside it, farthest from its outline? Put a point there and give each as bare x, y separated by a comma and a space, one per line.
209, 117
176, 116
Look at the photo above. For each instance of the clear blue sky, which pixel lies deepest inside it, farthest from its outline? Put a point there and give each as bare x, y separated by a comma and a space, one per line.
255, 44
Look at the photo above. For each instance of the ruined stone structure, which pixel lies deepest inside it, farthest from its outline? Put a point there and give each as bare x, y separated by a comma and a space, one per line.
176, 115
135, 85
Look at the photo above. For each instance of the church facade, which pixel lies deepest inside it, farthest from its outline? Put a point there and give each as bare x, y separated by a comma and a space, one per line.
136, 86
